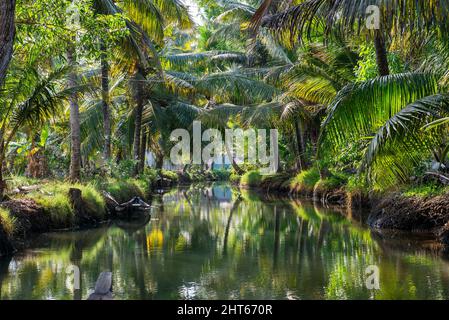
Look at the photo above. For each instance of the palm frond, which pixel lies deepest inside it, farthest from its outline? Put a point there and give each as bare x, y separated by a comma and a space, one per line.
236, 87
175, 11
402, 143
359, 109
147, 15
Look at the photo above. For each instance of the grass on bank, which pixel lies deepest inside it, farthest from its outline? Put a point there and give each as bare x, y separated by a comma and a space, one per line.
251, 179
305, 181
425, 190
124, 190
53, 196
7, 221
330, 183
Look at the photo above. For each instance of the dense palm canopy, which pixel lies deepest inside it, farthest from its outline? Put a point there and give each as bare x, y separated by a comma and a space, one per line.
312, 69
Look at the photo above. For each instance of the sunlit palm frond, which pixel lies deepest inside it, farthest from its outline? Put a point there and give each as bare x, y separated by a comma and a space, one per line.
402, 142
350, 15
272, 46
359, 109
147, 15
236, 87
175, 11
45, 101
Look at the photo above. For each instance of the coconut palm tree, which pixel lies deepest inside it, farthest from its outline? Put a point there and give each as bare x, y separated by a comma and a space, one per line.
350, 16
28, 100
146, 23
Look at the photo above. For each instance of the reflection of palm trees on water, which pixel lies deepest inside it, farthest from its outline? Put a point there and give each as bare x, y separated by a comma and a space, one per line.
226, 244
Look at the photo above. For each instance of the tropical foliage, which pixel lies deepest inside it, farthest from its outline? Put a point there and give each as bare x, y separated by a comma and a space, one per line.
98, 84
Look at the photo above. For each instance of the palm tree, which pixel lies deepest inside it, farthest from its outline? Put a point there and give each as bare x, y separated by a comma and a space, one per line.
7, 33
105, 7
105, 102
344, 16
145, 23
75, 130
29, 99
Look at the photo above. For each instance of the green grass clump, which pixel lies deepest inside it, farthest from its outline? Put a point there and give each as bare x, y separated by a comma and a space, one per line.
16, 181
425, 190
124, 190
95, 203
7, 221
57, 205
331, 183
305, 181
171, 175
251, 179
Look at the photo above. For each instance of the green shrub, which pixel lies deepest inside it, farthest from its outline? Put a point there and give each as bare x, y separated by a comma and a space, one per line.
149, 175
234, 178
251, 179
331, 183
7, 221
305, 181
221, 175
358, 185
171, 175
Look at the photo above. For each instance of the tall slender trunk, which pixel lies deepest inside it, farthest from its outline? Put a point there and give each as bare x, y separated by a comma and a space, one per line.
159, 162
75, 131
300, 146
143, 150
138, 119
381, 54
106, 102
2, 181
7, 34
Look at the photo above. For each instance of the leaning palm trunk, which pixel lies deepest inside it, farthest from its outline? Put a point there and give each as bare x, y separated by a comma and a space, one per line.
75, 131
105, 98
381, 54
234, 164
7, 33
301, 164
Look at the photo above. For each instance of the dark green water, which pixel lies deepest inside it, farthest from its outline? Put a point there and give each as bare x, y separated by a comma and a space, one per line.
203, 243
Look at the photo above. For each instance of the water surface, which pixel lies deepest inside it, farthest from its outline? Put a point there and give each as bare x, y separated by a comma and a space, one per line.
209, 243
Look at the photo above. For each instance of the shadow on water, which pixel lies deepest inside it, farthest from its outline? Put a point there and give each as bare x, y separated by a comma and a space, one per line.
215, 242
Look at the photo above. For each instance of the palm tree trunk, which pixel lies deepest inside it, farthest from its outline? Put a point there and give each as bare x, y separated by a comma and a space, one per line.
2, 181
75, 131
159, 162
301, 146
7, 34
138, 121
381, 54
105, 98
234, 164
143, 150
